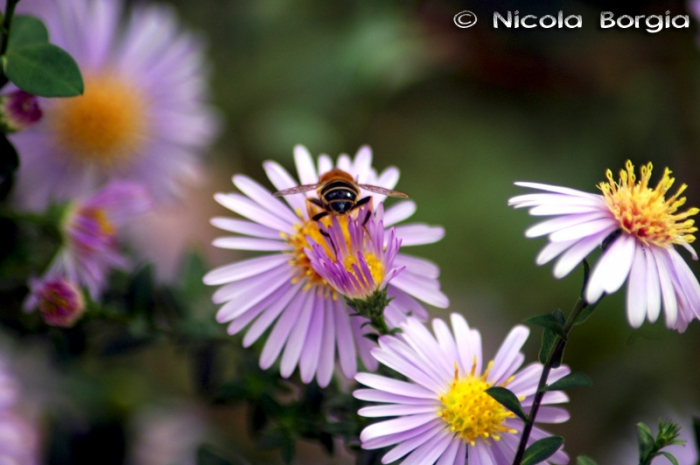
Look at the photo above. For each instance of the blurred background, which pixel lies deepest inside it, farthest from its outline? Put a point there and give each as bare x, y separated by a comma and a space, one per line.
464, 113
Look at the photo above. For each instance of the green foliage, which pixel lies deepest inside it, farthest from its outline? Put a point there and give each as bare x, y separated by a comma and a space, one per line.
650, 447
27, 30
541, 450
583, 460
206, 455
506, 398
372, 308
550, 339
43, 69
549, 321
569, 381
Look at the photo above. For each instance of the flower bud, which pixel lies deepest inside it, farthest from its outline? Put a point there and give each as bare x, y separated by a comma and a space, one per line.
59, 301
18, 110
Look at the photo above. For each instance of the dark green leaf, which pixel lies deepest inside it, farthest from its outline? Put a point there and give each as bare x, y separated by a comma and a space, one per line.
206, 456
548, 321
26, 30
44, 70
696, 432
569, 381
506, 398
585, 313
541, 450
670, 457
559, 316
645, 439
583, 460
549, 339
288, 450
141, 293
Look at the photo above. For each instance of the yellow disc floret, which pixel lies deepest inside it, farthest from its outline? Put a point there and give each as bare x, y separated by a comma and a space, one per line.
299, 242
104, 126
645, 212
470, 412
376, 269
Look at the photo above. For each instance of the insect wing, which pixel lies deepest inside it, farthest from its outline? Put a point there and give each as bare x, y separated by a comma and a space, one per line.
296, 190
382, 191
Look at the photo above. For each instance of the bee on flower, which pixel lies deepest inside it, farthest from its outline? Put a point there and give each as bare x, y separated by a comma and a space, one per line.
285, 291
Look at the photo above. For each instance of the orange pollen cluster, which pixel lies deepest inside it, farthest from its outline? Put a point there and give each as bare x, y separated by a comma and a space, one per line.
470, 412
645, 212
299, 242
105, 126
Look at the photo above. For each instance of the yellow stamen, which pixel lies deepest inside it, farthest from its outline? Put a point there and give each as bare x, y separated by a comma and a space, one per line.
376, 269
645, 212
470, 412
104, 126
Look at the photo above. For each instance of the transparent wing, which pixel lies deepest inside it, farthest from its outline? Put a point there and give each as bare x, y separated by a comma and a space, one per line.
296, 190
381, 190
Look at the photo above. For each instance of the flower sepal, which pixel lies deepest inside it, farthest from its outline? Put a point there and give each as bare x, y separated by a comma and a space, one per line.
372, 308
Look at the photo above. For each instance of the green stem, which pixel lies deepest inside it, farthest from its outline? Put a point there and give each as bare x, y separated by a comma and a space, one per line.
6, 24
5, 33
554, 355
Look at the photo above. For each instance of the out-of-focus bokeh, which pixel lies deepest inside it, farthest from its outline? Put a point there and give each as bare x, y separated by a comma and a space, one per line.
464, 113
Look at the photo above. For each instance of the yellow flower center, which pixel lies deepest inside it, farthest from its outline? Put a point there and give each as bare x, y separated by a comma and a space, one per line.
645, 212
376, 269
470, 412
104, 126
300, 241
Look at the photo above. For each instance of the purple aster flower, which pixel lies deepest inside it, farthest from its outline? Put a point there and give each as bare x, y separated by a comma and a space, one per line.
638, 226
90, 249
143, 115
18, 111
283, 291
442, 411
59, 301
357, 265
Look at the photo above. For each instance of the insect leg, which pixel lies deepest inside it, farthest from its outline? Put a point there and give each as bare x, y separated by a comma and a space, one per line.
318, 216
360, 203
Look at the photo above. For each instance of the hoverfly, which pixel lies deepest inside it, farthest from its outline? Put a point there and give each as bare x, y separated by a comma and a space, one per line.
338, 193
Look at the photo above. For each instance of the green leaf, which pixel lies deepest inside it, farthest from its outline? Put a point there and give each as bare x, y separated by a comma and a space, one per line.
569, 381
670, 457
549, 339
583, 460
541, 450
26, 30
507, 399
44, 70
206, 456
585, 314
548, 321
696, 432
559, 316
646, 441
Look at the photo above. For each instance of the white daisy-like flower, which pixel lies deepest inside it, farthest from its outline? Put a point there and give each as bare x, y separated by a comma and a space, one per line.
638, 227
442, 411
282, 290
143, 116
